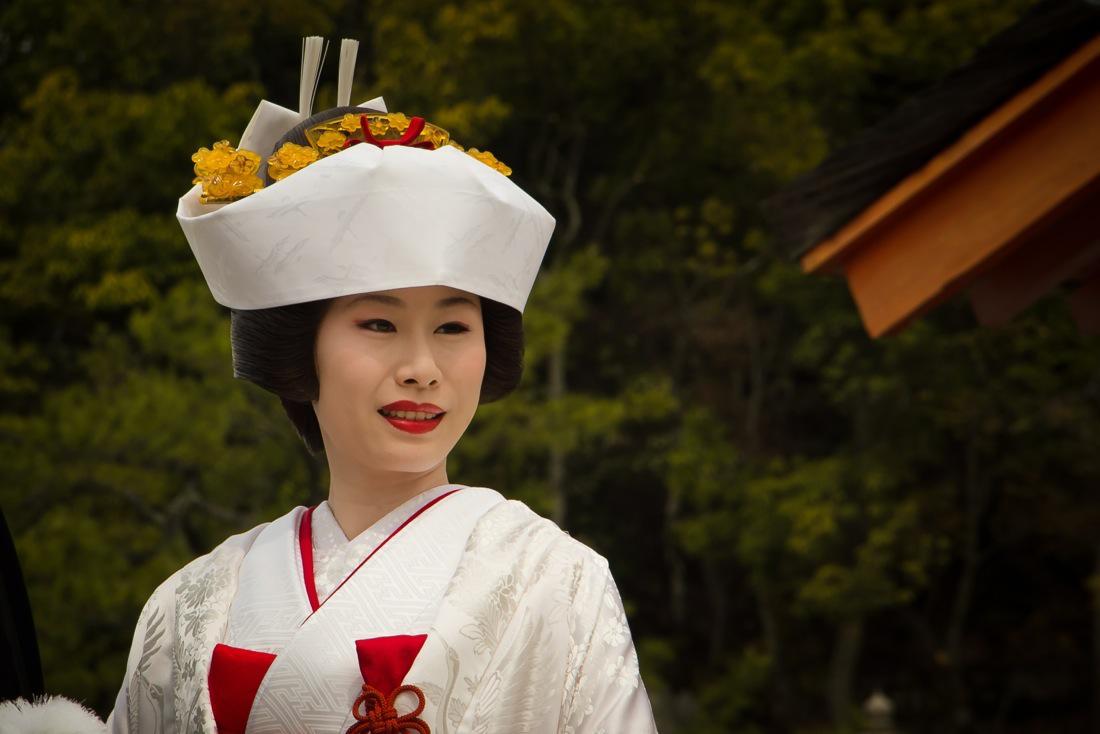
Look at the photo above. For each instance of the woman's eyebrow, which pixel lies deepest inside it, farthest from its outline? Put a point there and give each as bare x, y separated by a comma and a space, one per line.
395, 301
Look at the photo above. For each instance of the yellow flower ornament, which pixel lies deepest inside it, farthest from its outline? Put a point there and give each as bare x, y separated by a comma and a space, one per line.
490, 160
331, 141
289, 158
228, 174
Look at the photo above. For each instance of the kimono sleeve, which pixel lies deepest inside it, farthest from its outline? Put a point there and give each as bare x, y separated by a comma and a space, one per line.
144, 700
604, 688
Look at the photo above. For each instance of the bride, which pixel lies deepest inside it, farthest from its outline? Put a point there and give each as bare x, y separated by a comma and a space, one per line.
376, 274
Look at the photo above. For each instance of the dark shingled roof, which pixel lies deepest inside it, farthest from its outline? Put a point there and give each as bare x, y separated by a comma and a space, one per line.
822, 200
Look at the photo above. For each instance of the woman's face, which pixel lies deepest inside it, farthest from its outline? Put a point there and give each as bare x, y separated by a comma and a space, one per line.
422, 346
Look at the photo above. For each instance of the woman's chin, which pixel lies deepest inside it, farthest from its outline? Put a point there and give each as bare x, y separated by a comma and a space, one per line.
399, 457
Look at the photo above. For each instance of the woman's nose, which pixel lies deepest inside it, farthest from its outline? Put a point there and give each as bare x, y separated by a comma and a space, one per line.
418, 365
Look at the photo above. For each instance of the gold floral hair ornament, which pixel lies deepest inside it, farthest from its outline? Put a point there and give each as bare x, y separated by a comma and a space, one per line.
228, 174
289, 158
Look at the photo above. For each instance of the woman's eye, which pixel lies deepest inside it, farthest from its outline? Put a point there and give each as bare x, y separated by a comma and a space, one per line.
369, 325
382, 322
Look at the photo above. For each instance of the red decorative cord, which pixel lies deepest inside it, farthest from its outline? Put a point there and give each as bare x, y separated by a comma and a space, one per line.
381, 717
416, 126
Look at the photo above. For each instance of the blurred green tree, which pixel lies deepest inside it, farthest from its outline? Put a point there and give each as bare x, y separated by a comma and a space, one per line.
795, 515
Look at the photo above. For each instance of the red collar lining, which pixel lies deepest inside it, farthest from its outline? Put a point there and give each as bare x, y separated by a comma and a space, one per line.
305, 543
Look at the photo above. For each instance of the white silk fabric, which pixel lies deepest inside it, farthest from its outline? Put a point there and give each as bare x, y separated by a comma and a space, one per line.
366, 219
315, 676
525, 629
370, 219
335, 555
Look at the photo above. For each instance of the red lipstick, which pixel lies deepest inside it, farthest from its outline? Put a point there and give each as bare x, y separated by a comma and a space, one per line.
411, 406
411, 425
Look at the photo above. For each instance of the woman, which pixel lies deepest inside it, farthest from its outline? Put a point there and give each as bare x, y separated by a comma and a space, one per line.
377, 274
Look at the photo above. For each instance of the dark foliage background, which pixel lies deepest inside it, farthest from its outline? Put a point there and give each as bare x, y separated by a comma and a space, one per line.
795, 515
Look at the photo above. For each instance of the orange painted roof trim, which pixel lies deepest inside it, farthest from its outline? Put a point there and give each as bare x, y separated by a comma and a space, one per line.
831, 252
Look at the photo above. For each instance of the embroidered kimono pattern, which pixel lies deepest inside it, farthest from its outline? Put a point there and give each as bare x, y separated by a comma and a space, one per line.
335, 555
528, 635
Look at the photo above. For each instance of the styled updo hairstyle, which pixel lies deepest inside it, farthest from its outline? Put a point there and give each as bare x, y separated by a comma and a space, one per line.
274, 347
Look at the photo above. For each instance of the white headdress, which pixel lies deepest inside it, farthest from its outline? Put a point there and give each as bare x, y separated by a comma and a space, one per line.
407, 207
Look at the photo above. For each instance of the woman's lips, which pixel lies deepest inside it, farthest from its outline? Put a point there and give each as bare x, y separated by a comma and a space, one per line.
414, 426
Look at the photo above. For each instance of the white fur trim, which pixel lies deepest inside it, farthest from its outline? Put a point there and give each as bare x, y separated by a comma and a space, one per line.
48, 715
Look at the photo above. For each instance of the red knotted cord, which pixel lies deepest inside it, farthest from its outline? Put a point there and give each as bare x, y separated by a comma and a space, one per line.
381, 717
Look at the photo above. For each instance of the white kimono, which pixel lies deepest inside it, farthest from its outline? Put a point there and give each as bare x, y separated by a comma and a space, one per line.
491, 618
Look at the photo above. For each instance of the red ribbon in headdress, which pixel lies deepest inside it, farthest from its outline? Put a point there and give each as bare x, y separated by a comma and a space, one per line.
416, 126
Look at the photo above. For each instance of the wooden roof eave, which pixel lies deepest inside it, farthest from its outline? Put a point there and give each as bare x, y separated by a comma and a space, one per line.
974, 200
